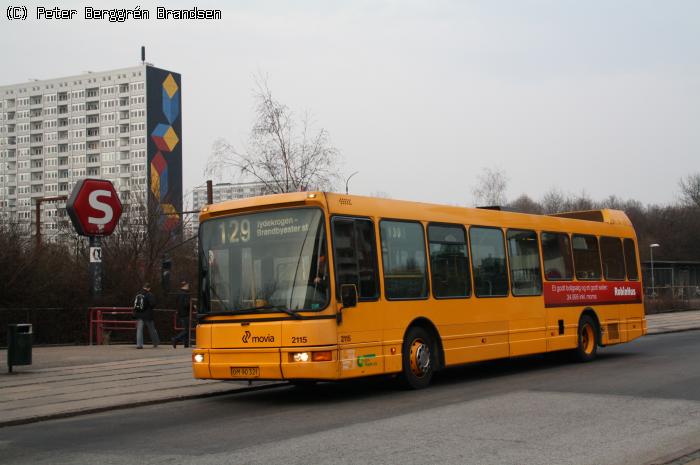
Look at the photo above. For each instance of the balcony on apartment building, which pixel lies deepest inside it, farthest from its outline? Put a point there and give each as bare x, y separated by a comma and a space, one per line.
92, 133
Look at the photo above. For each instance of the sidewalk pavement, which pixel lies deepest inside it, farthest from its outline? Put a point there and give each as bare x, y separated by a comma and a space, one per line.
673, 322
74, 380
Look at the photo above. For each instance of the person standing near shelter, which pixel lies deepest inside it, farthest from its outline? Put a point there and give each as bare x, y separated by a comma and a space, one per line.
144, 303
182, 304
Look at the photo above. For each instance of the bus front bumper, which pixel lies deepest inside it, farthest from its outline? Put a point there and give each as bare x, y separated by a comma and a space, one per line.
266, 363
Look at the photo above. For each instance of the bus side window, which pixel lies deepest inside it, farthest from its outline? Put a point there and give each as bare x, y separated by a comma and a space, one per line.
631, 260
613, 259
355, 256
556, 254
403, 257
449, 261
524, 259
488, 262
586, 257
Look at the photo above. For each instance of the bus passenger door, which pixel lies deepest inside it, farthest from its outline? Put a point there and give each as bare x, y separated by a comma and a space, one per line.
355, 262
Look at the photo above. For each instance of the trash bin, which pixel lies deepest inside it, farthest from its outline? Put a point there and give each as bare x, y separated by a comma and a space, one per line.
19, 345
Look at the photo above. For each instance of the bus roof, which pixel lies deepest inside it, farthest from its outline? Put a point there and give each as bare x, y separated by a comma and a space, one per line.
344, 204
605, 215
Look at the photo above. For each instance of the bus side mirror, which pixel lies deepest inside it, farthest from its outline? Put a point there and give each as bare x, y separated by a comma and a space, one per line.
348, 295
348, 299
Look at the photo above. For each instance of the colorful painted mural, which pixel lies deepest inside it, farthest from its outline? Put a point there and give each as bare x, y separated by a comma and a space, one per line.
164, 93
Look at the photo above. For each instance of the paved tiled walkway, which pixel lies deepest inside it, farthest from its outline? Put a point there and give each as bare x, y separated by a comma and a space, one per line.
69, 380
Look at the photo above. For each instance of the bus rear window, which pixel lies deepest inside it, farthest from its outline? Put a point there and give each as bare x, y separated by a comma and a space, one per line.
631, 260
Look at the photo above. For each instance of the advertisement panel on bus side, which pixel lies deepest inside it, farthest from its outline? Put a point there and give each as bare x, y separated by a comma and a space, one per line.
570, 293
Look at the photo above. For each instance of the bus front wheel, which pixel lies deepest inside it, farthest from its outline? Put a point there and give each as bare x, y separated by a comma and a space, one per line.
587, 347
418, 358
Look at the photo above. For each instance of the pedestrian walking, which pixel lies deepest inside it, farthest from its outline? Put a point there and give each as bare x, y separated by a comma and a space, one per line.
144, 303
182, 305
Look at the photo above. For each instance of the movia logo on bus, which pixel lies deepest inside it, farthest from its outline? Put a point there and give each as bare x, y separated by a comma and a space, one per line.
94, 208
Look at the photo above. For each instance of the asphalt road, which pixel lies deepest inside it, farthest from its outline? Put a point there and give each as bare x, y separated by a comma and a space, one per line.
636, 404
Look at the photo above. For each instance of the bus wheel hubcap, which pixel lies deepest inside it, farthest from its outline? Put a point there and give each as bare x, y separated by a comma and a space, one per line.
587, 339
420, 358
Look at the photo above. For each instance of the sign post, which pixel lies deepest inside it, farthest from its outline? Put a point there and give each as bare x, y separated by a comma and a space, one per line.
94, 209
95, 265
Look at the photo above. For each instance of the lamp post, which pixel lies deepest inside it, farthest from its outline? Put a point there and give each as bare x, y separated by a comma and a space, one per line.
348, 180
651, 252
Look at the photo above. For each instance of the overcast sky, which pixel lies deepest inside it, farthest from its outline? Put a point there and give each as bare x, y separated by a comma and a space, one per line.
419, 96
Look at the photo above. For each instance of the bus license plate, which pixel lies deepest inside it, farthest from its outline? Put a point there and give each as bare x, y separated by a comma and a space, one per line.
245, 372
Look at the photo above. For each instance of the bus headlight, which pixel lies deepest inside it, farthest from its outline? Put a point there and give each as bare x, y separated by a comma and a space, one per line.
301, 357
199, 358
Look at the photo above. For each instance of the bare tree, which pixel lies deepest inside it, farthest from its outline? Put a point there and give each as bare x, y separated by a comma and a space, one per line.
524, 204
134, 252
579, 202
490, 189
690, 189
284, 155
553, 201
611, 201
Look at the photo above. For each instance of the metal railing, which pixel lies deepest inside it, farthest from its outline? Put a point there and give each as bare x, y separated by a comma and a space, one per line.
102, 319
673, 292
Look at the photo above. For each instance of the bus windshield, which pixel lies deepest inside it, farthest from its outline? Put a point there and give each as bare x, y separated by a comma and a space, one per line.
262, 262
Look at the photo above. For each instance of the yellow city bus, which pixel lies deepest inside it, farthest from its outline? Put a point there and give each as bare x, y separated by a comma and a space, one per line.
323, 286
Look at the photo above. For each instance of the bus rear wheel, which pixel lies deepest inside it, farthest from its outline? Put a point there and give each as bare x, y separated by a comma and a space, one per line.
587, 347
418, 358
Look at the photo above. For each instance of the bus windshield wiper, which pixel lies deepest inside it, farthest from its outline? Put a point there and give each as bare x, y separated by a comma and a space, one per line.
280, 308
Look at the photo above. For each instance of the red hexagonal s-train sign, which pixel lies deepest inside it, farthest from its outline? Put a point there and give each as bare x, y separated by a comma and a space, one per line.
94, 207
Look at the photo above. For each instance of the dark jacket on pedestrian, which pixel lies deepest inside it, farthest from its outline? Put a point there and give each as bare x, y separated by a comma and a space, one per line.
182, 303
149, 303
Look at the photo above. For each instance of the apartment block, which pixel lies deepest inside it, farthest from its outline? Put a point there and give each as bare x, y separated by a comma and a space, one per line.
225, 191
122, 125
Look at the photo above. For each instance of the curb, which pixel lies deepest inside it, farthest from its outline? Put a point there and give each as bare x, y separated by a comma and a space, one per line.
671, 331
57, 416
688, 455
